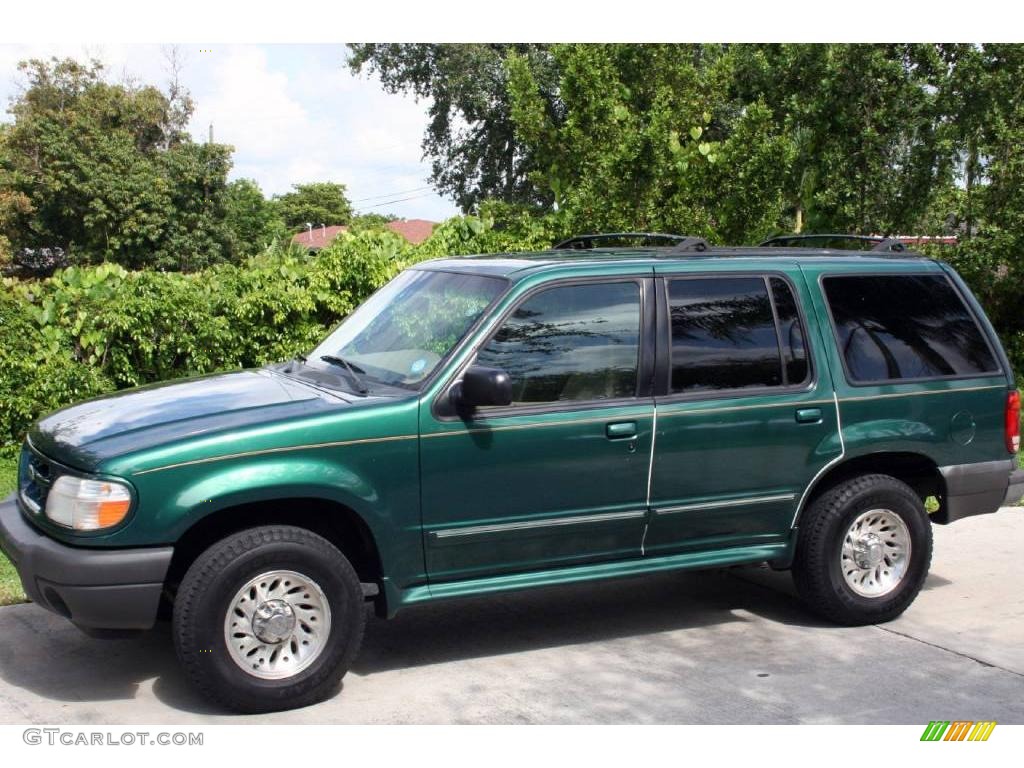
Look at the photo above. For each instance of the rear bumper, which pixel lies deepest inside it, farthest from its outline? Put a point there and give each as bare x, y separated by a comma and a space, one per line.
979, 489
1016, 490
94, 588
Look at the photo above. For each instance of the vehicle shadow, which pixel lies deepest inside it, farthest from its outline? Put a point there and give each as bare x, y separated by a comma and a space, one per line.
44, 655
568, 615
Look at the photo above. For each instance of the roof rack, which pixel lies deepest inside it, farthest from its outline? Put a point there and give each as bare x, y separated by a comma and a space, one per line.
876, 242
646, 240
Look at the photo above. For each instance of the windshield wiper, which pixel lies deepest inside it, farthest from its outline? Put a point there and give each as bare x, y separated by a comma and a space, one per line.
353, 371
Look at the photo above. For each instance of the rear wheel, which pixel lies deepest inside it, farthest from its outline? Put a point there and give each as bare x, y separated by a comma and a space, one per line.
863, 551
269, 618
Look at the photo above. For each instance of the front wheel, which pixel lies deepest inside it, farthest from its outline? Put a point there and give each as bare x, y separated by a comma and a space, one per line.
268, 619
863, 551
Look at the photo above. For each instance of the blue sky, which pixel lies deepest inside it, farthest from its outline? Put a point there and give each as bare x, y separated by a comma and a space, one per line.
294, 114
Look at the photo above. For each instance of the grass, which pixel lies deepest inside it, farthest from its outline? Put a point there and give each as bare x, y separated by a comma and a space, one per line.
10, 584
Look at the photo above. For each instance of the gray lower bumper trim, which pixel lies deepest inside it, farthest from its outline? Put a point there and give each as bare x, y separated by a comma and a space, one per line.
93, 587
974, 489
1016, 490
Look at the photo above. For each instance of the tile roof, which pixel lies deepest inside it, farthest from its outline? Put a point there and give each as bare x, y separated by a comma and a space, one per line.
319, 238
413, 230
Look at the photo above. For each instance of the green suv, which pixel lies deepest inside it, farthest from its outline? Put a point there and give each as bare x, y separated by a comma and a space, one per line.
502, 422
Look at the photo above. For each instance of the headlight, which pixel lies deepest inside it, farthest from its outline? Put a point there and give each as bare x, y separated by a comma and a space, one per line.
87, 505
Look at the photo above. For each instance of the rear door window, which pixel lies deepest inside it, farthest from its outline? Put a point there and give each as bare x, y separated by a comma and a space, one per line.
896, 327
733, 333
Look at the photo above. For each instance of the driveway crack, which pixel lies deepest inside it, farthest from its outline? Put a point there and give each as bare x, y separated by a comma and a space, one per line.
948, 650
739, 577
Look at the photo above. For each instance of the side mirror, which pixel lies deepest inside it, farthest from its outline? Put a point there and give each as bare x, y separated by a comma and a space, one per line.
483, 386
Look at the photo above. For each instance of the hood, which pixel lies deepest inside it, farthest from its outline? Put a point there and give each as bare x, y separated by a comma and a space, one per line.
85, 434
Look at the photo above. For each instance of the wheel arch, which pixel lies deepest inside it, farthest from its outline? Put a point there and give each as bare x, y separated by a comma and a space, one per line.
340, 524
915, 469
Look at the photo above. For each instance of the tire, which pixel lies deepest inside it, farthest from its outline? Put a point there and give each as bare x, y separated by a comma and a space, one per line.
293, 662
881, 583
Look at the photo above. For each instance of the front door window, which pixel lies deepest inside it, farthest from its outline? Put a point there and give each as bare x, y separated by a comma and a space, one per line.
572, 342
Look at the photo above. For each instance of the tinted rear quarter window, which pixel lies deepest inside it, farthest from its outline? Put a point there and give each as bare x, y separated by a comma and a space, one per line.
895, 327
791, 332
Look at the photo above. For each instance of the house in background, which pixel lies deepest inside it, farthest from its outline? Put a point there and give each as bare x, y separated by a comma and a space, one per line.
413, 230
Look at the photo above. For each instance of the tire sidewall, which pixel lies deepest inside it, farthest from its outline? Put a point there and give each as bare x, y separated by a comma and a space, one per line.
213, 600
910, 510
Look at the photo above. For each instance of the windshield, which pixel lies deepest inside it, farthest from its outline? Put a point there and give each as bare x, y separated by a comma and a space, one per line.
400, 334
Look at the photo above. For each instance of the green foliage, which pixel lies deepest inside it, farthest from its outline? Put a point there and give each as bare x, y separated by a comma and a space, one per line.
108, 173
371, 221
88, 330
39, 370
10, 583
731, 142
646, 138
316, 204
252, 221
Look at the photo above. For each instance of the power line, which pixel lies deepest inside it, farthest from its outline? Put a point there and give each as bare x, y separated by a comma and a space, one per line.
392, 202
389, 194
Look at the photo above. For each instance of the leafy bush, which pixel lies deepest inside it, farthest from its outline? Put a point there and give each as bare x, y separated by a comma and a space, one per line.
86, 331
37, 372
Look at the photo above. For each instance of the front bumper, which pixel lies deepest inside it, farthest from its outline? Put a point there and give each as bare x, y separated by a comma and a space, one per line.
94, 588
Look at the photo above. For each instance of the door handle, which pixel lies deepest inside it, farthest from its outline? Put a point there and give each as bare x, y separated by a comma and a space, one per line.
808, 415
620, 430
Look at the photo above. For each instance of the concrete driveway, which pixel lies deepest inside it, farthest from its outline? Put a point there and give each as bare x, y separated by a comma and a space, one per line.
729, 646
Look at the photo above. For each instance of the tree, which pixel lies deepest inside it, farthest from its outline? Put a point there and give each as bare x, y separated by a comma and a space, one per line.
109, 172
471, 138
646, 137
316, 204
15, 206
865, 122
371, 221
251, 220
990, 142
734, 142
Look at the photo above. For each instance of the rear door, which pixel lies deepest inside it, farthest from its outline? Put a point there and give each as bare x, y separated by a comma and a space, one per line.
746, 413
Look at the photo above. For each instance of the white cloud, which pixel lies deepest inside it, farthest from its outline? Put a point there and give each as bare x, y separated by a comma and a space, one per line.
249, 107
293, 113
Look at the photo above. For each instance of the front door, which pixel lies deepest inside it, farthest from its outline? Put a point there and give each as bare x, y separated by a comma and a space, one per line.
559, 477
748, 418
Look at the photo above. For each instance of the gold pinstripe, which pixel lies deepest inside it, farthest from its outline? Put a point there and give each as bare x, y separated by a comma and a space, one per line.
285, 449
542, 424
924, 392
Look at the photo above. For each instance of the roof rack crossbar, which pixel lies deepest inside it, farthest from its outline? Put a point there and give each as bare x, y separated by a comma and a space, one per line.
698, 244
647, 240
890, 245
879, 243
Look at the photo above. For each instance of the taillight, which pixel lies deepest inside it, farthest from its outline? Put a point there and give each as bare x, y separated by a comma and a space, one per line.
1013, 421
